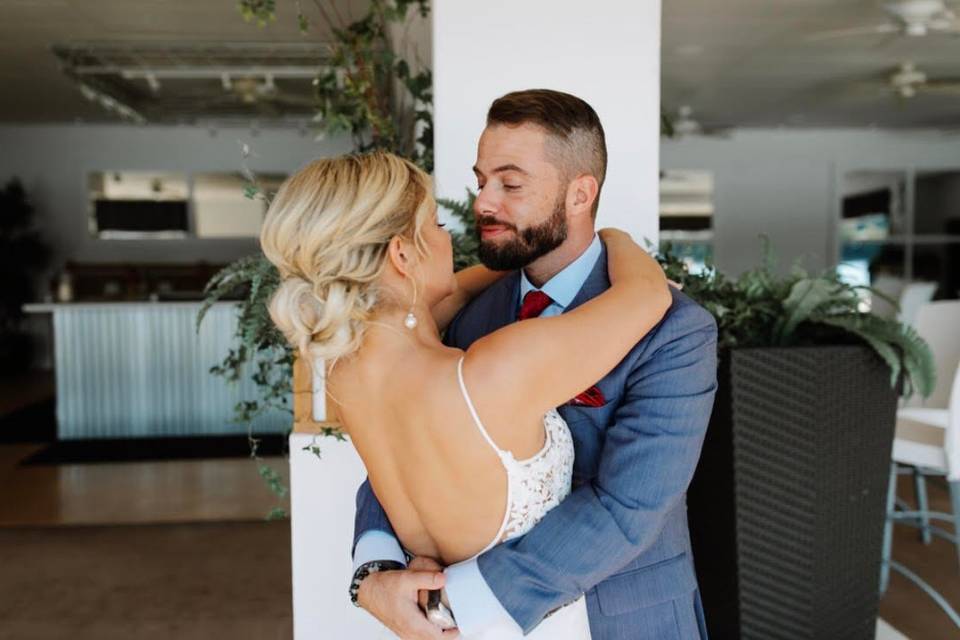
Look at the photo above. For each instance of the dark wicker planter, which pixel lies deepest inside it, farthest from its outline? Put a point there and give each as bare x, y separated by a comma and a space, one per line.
787, 505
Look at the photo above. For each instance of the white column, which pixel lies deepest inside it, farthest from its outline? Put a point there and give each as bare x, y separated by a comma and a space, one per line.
322, 499
606, 52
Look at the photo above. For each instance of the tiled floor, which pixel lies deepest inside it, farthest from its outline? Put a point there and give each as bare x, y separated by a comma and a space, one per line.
43, 505
146, 582
132, 493
180, 549
905, 606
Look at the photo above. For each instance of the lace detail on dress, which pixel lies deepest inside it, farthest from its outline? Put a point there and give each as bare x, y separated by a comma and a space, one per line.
536, 484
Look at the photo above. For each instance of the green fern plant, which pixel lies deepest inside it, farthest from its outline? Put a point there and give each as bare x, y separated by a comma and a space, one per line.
368, 91
763, 309
466, 241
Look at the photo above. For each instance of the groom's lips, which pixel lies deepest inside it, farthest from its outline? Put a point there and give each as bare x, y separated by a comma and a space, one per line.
488, 231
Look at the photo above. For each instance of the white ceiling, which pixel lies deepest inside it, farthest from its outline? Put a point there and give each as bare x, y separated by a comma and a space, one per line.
736, 62
751, 63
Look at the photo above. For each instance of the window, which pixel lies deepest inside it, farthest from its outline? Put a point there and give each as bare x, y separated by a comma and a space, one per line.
900, 227
222, 210
138, 204
166, 205
686, 216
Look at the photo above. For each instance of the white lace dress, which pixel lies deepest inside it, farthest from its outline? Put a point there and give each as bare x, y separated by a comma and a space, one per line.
534, 486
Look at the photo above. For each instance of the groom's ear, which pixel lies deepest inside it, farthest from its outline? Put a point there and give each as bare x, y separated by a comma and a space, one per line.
581, 194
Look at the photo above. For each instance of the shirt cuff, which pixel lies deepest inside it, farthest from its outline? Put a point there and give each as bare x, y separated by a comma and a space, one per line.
473, 603
377, 545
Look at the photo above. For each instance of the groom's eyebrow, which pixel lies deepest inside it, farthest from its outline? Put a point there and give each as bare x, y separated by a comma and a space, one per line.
501, 169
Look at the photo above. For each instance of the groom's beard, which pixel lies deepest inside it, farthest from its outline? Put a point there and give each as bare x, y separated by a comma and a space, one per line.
527, 244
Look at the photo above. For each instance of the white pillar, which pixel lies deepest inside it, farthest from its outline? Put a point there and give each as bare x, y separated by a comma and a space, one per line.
322, 499
606, 52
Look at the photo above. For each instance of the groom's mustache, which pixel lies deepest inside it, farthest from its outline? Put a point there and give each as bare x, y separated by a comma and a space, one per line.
489, 221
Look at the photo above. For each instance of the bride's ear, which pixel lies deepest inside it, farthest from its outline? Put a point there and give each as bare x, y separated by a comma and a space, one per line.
400, 253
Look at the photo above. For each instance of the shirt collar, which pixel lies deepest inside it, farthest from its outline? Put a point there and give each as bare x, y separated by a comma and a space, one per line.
563, 287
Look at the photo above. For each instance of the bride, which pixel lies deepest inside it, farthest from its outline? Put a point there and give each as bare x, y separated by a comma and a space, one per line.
464, 450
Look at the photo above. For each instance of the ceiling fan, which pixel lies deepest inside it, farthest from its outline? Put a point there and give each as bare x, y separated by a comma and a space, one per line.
247, 93
907, 81
682, 124
913, 18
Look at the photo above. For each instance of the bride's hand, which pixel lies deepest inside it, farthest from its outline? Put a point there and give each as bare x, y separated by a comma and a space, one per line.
621, 247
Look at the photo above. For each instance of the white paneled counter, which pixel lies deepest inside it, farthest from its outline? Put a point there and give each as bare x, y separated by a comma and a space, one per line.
141, 369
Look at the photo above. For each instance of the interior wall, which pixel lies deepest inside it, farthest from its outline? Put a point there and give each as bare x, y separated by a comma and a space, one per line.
609, 55
784, 183
53, 162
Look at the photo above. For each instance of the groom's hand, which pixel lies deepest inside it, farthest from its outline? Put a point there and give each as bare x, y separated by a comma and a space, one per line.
392, 597
423, 563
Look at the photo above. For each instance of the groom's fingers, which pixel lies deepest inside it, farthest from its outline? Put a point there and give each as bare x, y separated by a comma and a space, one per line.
423, 563
420, 580
422, 629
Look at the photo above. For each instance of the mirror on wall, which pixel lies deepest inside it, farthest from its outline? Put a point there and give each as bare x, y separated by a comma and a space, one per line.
221, 208
138, 204
873, 214
128, 205
936, 231
899, 233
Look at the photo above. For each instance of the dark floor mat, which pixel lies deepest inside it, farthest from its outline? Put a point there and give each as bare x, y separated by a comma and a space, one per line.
155, 449
34, 423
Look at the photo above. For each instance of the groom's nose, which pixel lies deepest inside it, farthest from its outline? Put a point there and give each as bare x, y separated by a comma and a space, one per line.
486, 204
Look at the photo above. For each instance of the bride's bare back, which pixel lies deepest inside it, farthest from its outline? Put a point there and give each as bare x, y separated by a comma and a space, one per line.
442, 486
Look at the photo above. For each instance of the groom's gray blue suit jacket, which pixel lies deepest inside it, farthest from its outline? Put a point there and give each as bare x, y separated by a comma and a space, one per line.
621, 535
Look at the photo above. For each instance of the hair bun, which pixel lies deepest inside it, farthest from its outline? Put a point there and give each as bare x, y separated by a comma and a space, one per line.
326, 232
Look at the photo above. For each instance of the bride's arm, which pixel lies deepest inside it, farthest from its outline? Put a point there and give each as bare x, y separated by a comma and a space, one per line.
470, 283
534, 365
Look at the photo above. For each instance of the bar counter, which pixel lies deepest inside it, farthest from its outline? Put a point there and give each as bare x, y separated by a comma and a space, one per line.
141, 369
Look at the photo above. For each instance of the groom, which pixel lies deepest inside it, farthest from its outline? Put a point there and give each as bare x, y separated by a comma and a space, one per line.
621, 535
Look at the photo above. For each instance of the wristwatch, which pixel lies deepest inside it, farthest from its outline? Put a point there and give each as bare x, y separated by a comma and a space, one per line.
365, 570
437, 612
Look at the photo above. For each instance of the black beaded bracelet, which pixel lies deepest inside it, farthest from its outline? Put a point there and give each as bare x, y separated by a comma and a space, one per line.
365, 570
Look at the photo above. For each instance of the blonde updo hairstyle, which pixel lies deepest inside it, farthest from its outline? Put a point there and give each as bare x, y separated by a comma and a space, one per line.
327, 232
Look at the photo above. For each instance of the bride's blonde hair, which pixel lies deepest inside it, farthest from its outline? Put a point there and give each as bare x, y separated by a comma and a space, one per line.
327, 232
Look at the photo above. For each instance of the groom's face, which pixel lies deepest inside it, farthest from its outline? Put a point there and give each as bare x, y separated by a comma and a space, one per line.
520, 207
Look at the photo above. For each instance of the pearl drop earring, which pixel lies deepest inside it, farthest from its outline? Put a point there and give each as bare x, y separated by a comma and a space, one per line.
410, 322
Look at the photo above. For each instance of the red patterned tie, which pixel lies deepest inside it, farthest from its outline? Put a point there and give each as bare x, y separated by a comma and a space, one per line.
533, 304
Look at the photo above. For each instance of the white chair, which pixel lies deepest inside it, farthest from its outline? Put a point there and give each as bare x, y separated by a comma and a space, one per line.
891, 287
939, 324
927, 442
914, 296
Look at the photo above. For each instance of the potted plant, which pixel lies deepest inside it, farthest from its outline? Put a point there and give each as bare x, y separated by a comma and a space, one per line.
23, 254
787, 505
367, 90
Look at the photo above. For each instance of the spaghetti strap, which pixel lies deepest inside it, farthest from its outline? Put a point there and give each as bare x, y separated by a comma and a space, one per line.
473, 411
500, 454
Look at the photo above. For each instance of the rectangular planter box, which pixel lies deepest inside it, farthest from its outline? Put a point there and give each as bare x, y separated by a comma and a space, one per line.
788, 502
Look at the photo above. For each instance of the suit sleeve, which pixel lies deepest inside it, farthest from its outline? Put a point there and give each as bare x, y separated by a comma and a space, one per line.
648, 459
373, 536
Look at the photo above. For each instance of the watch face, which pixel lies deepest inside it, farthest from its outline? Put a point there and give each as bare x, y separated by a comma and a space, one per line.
441, 617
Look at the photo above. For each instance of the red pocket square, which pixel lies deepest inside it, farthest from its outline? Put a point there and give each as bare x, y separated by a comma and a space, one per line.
592, 397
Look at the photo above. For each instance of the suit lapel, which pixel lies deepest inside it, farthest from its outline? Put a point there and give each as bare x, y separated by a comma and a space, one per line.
504, 310
596, 283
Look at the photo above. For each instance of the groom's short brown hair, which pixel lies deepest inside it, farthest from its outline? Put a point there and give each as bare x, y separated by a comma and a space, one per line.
572, 126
